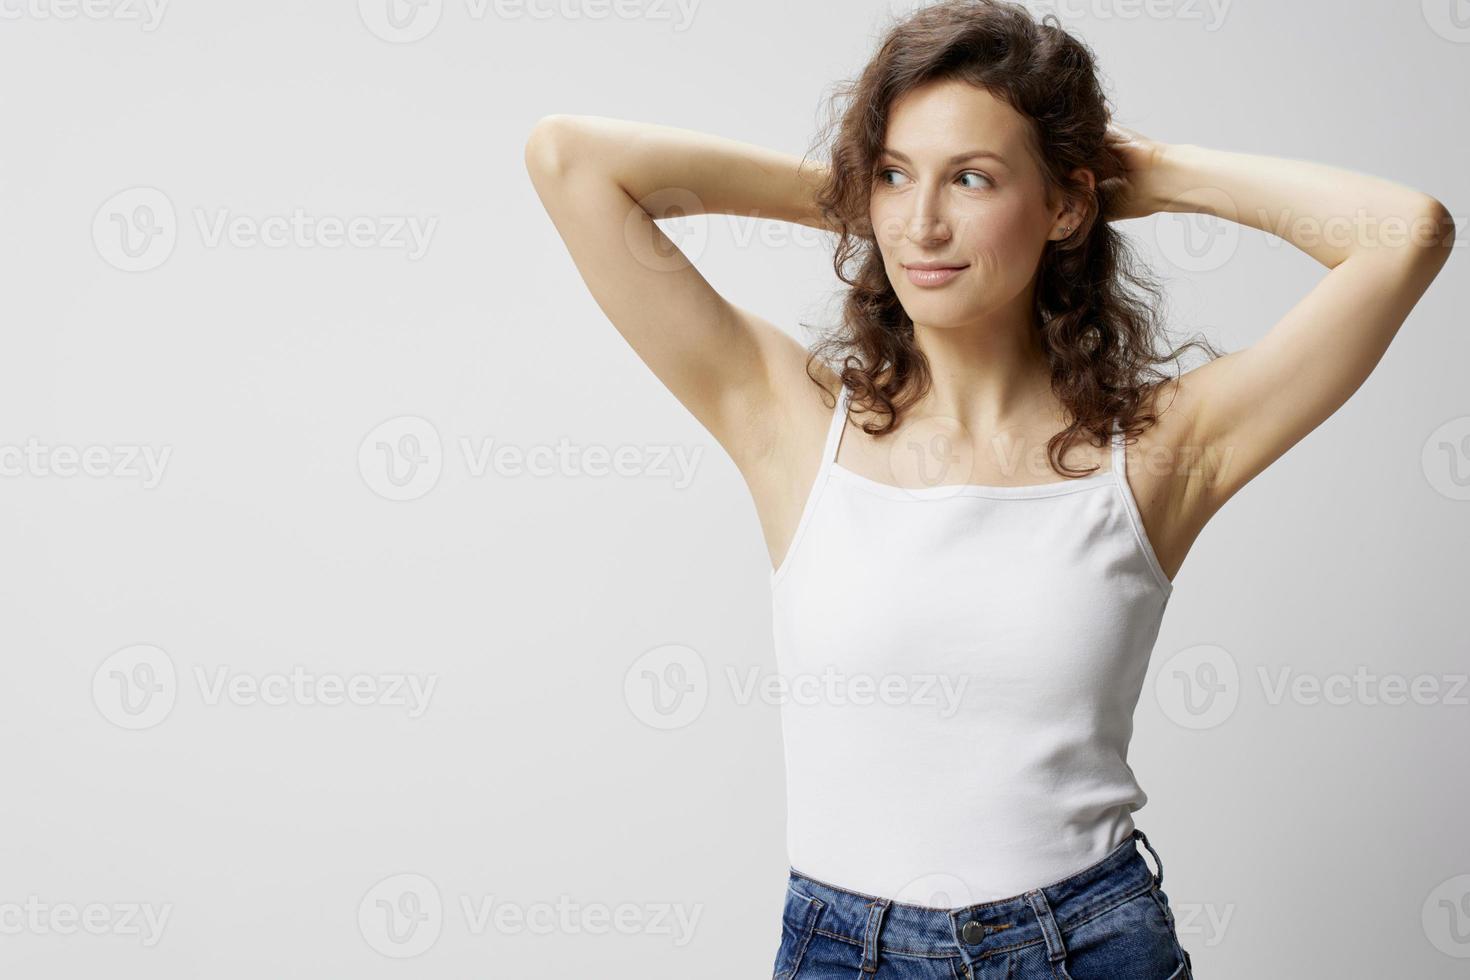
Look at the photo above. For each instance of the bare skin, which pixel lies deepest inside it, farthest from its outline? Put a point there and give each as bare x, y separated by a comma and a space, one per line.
745, 379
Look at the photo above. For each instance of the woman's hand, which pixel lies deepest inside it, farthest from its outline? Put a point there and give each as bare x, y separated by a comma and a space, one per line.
1136, 193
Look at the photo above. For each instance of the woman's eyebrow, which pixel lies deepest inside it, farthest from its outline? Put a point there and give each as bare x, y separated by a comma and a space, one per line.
957, 158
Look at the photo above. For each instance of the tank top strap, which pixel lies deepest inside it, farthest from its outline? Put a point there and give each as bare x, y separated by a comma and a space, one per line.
836, 427
1120, 452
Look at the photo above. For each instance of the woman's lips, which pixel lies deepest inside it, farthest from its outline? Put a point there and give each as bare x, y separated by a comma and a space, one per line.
932, 277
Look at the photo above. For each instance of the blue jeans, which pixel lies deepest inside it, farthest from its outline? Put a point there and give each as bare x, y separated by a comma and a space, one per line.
1109, 921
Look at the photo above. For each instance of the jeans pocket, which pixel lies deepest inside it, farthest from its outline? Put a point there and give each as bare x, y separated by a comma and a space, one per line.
1133, 940
1186, 967
798, 922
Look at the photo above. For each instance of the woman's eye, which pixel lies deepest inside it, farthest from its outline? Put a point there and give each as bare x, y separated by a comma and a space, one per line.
971, 175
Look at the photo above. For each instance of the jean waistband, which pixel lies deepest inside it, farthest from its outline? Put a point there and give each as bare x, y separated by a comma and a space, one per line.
976, 931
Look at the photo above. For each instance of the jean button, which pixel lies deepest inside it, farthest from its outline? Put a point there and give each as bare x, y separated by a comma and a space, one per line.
973, 932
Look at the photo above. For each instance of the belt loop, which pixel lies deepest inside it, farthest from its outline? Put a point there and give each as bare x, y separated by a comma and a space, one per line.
1055, 950
870, 935
1158, 877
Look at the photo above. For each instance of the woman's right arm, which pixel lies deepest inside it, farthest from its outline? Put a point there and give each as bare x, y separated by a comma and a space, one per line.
733, 370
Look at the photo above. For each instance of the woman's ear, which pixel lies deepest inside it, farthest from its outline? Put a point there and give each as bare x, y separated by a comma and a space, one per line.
1077, 204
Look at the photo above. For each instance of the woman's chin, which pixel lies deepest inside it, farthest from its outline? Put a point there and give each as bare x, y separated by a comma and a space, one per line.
939, 315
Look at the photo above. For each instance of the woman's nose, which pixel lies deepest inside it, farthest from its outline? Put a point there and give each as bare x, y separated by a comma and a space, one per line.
926, 226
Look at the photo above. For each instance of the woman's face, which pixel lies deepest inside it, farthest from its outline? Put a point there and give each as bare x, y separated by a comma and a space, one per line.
956, 186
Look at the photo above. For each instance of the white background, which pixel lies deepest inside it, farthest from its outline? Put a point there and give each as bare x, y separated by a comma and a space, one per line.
1328, 838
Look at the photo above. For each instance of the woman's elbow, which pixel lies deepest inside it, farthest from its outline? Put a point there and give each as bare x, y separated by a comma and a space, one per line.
548, 149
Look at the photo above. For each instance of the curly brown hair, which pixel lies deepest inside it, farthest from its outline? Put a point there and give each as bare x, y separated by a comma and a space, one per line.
1095, 305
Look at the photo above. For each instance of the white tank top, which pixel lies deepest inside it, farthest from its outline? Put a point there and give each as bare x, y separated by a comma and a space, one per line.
960, 668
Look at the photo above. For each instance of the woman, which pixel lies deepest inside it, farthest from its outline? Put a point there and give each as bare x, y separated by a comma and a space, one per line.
992, 317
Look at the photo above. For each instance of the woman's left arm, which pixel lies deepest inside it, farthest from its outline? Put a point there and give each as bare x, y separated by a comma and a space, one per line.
1382, 243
